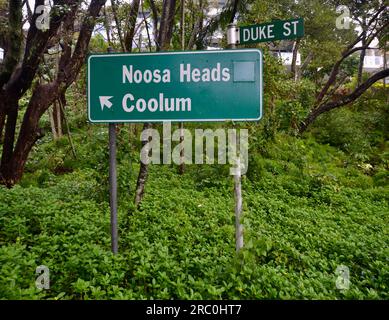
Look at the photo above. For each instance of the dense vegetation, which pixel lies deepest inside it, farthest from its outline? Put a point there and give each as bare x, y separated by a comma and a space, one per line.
313, 200
309, 207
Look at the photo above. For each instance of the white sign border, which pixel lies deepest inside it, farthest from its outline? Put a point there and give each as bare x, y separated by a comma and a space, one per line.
179, 52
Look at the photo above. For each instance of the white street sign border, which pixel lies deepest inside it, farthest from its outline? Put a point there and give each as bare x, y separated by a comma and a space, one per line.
178, 53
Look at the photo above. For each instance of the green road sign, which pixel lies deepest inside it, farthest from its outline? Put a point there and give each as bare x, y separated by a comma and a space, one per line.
272, 31
175, 86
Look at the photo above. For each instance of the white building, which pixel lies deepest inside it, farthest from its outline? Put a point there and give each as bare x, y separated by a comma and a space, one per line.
286, 58
374, 60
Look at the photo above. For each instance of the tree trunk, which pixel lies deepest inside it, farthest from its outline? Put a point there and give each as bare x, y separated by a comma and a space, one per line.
362, 53
143, 173
182, 152
293, 67
2, 122
107, 27
167, 20
155, 19
9, 134
132, 22
117, 22
52, 124
360, 67
383, 80
14, 41
164, 37
13, 162
57, 116
14, 157
306, 62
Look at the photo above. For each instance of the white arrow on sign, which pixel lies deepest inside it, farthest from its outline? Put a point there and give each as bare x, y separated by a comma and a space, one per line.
104, 101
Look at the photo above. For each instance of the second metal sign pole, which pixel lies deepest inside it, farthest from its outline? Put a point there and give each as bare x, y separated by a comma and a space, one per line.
113, 187
232, 39
113, 184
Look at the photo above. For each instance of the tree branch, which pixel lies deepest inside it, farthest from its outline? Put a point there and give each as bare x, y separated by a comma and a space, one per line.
36, 44
349, 51
344, 101
14, 39
132, 24
155, 19
166, 27
117, 22
69, 73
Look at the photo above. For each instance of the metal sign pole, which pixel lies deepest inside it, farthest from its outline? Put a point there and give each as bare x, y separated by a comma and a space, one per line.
113, 187
232, 38
113, 184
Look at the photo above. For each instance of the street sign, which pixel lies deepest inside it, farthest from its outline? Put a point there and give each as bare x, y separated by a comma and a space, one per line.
175, 86
272, 31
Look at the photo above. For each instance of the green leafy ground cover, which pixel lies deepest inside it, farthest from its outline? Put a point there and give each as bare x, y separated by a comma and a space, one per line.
306, 211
